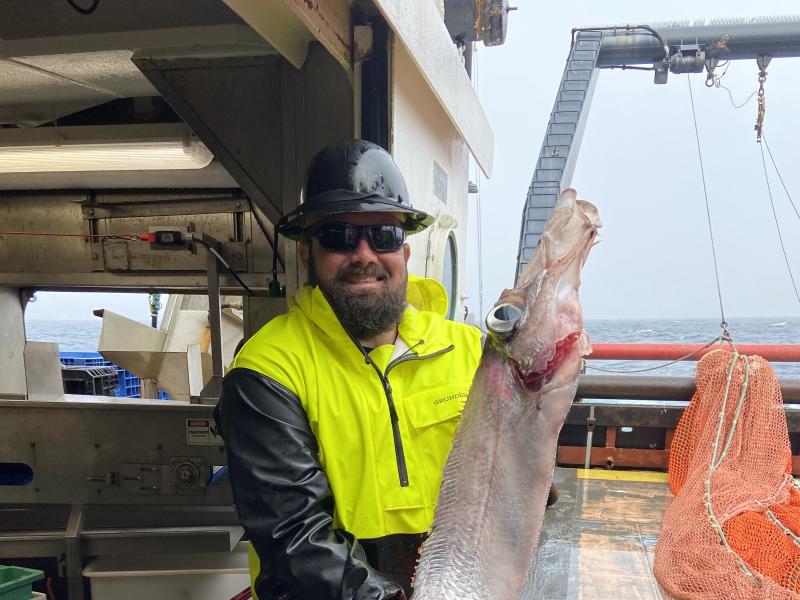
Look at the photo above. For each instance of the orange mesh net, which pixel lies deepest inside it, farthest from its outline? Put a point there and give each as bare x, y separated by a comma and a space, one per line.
732, 530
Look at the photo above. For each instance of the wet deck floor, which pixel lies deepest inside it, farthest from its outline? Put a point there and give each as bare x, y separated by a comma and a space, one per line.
599, 539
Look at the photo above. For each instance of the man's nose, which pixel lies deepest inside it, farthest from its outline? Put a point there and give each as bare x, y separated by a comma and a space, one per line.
363, 253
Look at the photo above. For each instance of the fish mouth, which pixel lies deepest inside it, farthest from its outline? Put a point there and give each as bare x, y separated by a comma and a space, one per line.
533, 380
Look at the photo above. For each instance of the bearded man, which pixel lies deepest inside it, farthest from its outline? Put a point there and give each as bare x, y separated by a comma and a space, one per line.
338, 415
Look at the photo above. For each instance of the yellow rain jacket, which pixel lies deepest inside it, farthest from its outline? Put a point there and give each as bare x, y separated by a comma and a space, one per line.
382, 423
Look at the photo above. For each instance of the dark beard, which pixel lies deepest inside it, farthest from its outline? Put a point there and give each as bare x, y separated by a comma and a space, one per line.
363, 315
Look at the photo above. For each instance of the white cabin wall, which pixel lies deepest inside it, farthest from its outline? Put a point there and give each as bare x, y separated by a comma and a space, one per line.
421, 133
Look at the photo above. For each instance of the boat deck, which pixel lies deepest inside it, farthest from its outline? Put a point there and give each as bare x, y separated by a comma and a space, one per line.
599, 539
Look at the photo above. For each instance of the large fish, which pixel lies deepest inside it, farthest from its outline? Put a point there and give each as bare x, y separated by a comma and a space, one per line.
499, 470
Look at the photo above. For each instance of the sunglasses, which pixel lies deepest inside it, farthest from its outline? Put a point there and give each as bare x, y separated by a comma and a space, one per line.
344, 237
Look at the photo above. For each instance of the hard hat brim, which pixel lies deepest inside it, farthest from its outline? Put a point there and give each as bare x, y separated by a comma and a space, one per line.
337, 202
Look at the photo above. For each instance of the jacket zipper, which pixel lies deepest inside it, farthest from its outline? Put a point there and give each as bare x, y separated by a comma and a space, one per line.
402, 469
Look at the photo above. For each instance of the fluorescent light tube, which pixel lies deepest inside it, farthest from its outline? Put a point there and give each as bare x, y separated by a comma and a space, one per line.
113, 148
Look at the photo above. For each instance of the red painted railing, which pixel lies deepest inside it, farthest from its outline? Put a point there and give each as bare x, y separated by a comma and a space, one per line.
771, 352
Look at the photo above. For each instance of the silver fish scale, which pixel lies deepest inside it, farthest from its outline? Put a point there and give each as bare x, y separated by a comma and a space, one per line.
488, 519
498, 473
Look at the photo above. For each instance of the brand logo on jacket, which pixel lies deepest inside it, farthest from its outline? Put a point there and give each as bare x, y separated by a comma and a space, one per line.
455, 396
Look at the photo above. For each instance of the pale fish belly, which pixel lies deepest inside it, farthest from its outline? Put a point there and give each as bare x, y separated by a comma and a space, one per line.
494, 488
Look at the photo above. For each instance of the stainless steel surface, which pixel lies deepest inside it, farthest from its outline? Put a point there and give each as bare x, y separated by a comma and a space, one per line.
52, 26
43, 371
195, 370
132, 256
170, 359
121, 541
55, 262
51, 517
189, 85
176, 282
213, 267
57, 61
598, 540
73, 445
73, 559
211, 390
247, 132
258, 310
36, 89
12, 343
232, 203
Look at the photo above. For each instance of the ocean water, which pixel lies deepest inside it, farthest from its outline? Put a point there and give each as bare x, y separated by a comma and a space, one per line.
72, 335
691, 331
83, 335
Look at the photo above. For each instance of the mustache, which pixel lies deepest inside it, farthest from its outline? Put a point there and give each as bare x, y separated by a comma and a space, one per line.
352, 273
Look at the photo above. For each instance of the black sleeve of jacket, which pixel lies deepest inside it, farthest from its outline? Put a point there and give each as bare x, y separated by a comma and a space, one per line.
284, 500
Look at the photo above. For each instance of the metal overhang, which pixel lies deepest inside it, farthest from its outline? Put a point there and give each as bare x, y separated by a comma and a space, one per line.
419, 26
289, 26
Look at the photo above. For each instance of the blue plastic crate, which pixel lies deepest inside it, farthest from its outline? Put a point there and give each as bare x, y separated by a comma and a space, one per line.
129, 384
83, 359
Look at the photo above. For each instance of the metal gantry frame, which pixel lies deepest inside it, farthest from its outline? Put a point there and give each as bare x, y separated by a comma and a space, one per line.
687, 47
641, 402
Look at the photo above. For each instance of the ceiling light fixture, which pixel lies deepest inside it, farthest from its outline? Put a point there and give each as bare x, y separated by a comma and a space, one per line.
152, 147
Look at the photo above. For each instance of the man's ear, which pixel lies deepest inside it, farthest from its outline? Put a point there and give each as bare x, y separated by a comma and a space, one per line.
406, 251
302, 250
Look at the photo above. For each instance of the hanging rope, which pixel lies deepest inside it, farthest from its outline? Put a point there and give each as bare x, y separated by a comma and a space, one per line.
777, 224
717, 457
724, 322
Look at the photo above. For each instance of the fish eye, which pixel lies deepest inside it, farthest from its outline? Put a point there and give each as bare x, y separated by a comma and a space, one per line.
503, 319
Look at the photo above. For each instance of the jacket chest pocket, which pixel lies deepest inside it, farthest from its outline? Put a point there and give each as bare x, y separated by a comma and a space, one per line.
433, 418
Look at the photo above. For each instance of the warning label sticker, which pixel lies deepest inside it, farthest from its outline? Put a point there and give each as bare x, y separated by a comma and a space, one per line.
203, 432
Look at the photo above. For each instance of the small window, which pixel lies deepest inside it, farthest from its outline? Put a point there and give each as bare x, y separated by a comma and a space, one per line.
450, 275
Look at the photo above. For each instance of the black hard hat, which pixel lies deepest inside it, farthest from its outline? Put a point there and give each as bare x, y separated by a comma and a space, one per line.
354, 176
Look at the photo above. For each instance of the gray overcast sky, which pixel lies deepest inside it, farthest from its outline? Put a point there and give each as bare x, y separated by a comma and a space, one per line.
638, 163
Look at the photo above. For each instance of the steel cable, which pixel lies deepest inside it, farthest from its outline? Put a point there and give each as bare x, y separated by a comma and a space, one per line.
780, 177
724, 323
777, 224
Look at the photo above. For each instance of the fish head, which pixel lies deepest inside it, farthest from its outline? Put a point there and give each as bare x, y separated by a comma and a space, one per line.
538, 325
